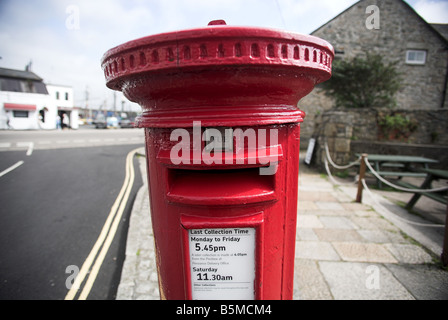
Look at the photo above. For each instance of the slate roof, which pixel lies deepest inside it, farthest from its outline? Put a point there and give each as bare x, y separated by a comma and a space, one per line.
19, 74
21, 81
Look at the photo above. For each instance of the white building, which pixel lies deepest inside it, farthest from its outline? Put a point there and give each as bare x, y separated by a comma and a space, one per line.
26, 103
62, 97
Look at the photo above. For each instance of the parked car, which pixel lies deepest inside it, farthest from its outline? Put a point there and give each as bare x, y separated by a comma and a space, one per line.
100, 122
126, 123
112, 122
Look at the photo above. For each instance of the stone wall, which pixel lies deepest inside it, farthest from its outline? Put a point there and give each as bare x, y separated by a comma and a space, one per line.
338, 128
349, 131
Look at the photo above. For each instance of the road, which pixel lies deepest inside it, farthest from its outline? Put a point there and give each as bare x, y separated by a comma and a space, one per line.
42, 140
54, 205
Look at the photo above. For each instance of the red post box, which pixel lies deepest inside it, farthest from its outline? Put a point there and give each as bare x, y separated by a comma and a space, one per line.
222, 145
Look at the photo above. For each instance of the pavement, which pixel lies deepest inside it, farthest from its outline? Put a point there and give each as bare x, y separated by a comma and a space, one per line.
374, 250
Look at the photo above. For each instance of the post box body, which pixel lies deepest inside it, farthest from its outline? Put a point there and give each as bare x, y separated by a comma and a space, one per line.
222, 133
205, 196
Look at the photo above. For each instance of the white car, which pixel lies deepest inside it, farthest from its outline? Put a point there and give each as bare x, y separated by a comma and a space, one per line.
112, 122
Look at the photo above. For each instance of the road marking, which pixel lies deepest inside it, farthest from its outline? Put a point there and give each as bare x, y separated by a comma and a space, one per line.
18, 164
29, 152
109, 229
64, 143
29, 145
99, 261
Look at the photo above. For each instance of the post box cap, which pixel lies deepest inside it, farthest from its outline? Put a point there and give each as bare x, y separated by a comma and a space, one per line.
207, 72
217, 44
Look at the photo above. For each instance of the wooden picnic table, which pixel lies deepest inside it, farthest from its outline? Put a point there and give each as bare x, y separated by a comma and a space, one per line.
405, 166
431, 175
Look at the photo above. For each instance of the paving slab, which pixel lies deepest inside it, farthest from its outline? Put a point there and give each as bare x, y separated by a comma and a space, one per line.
309, 282
307, 234
309, 221
409, 253
316, 196
424, 281
331, 235
330, 206
316, 250
337, 223
362, 281
369, 252
381, 236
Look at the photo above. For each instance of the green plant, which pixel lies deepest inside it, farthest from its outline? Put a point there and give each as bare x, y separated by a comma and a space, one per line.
342, 174
396, 127
363, 82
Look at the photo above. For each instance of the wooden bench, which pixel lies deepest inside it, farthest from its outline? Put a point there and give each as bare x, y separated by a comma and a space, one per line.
406, 166
431, 175
432, 195
401, 174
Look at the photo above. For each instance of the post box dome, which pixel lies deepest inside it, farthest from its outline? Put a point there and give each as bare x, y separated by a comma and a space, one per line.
177, 73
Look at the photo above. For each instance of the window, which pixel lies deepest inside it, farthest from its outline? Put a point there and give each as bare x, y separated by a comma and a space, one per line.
20, 114
28, 86
416, 57
66, 96
57, 95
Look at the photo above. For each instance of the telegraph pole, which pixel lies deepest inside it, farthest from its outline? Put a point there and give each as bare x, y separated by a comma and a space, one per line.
87, 102
115, 102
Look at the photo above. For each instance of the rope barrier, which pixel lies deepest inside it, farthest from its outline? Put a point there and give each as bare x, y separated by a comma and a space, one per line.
333, 179
327, 152
398, 187
364, 184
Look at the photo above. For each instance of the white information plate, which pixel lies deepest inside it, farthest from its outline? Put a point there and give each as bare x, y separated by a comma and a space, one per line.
222, 263
310, 150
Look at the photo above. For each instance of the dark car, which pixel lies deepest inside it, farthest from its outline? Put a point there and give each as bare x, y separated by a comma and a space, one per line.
126, 123
100, 122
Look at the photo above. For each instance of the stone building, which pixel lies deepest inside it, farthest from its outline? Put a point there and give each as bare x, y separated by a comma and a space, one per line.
394, 30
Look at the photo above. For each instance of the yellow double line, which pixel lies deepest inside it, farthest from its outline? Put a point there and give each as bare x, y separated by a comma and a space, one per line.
106, 236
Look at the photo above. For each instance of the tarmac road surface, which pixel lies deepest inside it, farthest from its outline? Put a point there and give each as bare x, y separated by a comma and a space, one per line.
54, 204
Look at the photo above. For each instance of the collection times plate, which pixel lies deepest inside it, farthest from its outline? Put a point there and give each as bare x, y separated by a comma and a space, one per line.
222, 263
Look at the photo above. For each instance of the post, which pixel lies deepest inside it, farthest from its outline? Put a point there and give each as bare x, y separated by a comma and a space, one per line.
445, 241
362, 172
255, 263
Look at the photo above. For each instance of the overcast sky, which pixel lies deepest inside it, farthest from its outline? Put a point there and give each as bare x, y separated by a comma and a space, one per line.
66, 50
